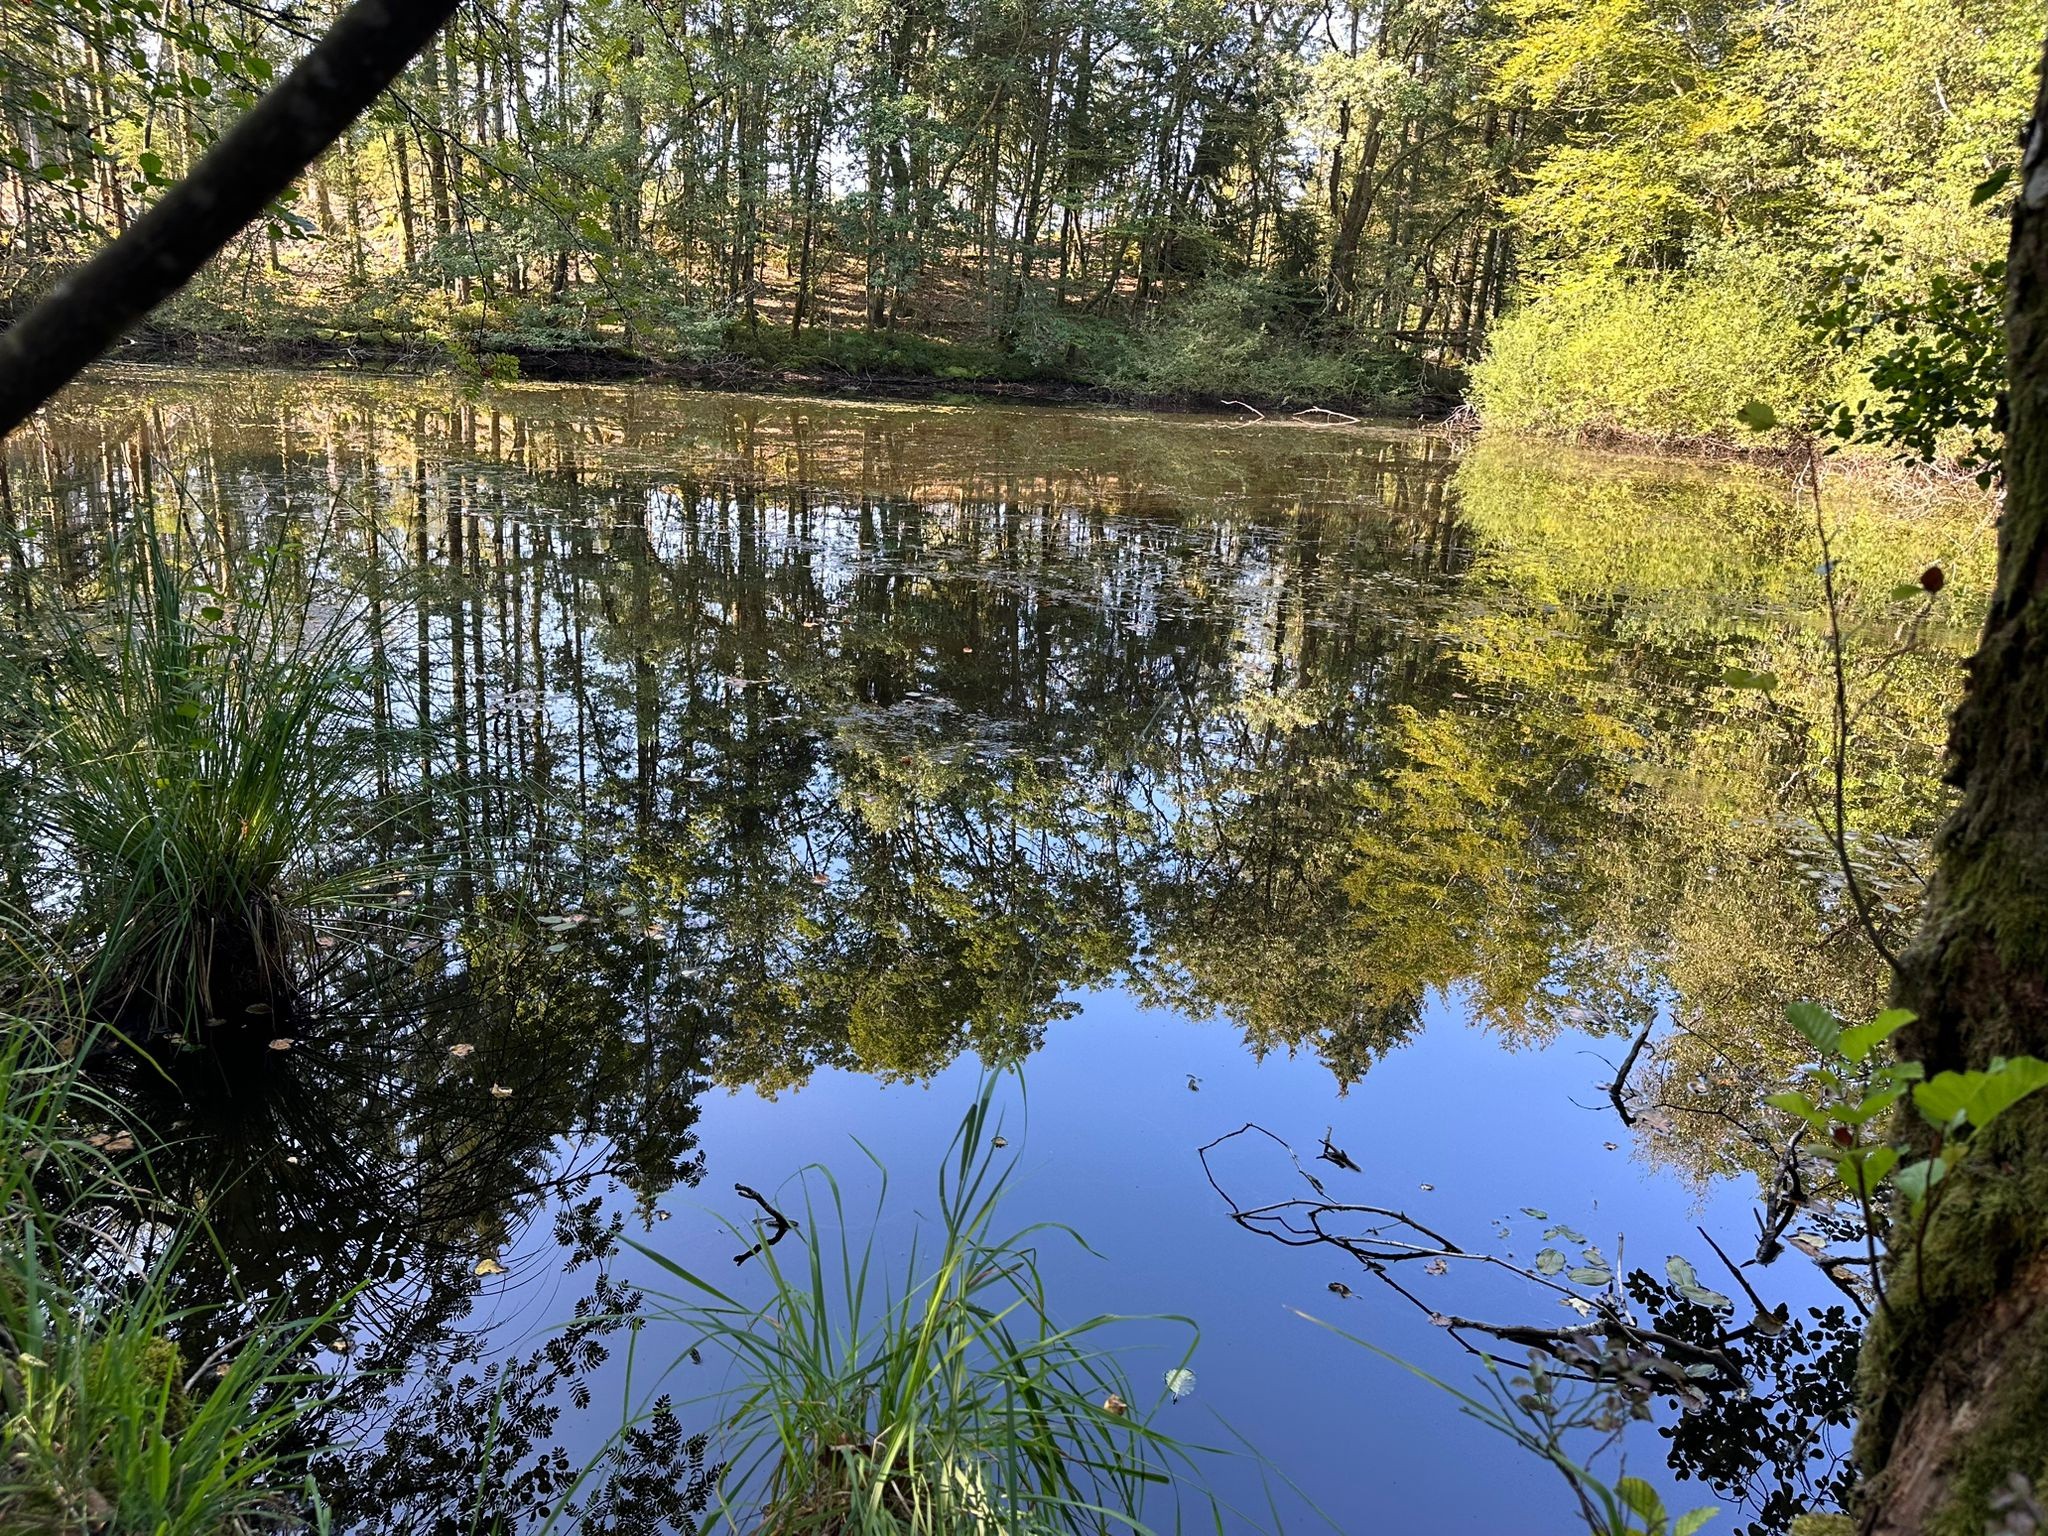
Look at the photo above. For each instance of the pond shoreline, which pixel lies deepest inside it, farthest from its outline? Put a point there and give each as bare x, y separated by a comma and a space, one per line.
606, 363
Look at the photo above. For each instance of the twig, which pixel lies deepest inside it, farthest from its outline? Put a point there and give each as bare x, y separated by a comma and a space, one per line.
1840, 838
783, 1226
1247, 405
1628, 1064
1324, 410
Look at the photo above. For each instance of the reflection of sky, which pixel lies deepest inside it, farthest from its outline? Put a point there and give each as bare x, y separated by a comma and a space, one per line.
1107, 1144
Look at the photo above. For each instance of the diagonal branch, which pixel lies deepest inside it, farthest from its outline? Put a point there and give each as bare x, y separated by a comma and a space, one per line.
246, 171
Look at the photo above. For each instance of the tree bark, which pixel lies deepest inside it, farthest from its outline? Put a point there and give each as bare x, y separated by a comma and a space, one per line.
1955, 1371
239, 177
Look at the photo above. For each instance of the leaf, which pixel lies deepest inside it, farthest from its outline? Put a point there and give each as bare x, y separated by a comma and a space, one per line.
1686, 1281
1180, 1382
1692, 1520
1530, 1210
1915, 1179
1819, 1026
1587, 1274
1873, 1105
1859, 1042
1757, 416
488, 1267
1943, 1098
2008, 1081
1991, 186
1644, 1500
498, 1092
460, 1051
281, 1044
1863, 1172
1549, 1262
1569, 1234
1115, 1406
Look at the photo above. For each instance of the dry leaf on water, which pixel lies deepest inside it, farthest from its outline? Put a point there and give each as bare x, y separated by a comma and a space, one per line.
1115, 1406
281, 1044
498, 1091
488, 1267
460, 1051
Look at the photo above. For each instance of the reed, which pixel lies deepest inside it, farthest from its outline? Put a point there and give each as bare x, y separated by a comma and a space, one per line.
938, 1395
189, 756
105, 1423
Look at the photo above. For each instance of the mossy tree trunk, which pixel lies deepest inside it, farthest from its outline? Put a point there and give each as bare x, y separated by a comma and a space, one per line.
1955, 1372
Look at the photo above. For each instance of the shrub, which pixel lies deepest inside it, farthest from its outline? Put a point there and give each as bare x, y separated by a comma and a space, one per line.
105, 1424
1661, 358
1245, 338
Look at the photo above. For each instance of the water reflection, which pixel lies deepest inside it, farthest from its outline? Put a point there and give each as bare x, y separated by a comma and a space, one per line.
761, 737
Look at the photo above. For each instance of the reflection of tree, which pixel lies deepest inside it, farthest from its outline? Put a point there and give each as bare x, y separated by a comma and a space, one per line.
866, 737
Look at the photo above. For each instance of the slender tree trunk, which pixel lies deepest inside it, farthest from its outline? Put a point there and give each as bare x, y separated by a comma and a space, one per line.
1955, 1371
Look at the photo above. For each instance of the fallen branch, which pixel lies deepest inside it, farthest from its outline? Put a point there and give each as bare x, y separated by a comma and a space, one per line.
783, 1226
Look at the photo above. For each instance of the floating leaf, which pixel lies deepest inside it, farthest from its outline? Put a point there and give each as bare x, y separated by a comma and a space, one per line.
1437, 1267
1530, 1210
281, 1044
1569, 1234
500, 1092
1550, 1262
1180, 1382
460, 1051
1757, 416
1115, 1406
488, 1267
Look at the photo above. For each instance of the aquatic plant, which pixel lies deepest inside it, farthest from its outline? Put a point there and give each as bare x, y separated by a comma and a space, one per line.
188, 751
935, 1396
105, 1423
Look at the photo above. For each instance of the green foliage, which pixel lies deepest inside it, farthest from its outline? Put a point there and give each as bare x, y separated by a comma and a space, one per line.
104, 1422
934, 1398
1662, 358
1843, 1098
1242, 338
1935, 361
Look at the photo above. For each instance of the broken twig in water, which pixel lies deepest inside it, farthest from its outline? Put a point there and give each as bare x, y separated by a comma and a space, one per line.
782, 1225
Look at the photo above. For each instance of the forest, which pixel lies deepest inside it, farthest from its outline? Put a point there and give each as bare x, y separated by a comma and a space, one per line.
1629, 217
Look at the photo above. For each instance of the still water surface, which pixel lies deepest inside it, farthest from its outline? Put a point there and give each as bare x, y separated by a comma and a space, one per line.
785, 760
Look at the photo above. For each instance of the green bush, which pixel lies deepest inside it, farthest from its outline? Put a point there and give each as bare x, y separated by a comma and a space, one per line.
1660, 358
189, 753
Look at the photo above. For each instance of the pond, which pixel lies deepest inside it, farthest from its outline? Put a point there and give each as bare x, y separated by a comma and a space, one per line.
769, 765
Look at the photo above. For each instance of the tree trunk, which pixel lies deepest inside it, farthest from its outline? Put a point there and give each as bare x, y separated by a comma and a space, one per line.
1955, 1371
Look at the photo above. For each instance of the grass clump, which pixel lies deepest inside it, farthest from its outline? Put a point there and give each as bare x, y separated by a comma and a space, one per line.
185, 751
940, 1397
106, 1423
